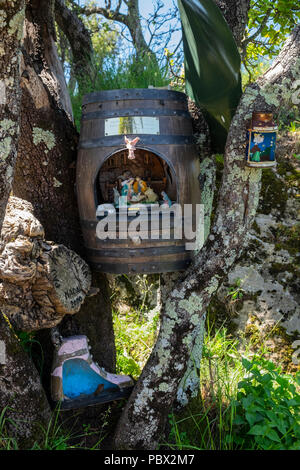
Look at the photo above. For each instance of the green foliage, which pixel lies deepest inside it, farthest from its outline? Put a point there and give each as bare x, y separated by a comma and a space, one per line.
57, 435
6, 441
135, 333
244, 402
236, 291
208, 419
274, 20
129, 73
28, 341
267, 408
289, 119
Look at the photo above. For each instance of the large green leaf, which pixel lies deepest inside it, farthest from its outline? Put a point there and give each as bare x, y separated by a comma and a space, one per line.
212, 65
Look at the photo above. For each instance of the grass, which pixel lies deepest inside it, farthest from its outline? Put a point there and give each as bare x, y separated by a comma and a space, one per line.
122, 74
135, 333
236, 389
233, 384
208, 419
59, 434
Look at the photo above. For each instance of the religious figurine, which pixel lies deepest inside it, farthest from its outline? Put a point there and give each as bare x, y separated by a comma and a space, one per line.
139, 186
151, 195
126, 191
77, 381
167, 201
116, 196
130, 145
138, 197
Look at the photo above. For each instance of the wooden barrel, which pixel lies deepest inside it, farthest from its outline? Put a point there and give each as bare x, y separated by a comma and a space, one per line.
166, 158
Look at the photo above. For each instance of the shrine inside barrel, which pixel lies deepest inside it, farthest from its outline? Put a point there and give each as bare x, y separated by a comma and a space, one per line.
137, 161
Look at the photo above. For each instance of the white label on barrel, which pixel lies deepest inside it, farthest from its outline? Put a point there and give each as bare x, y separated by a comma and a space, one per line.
132, 125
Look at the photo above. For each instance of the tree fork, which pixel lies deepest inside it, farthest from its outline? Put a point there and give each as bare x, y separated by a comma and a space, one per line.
144, 417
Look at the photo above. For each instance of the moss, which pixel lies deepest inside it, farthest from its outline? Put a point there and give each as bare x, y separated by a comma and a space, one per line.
288, 238
256, 228
273, 193
285, 350
253, 332
276, 342
277, 268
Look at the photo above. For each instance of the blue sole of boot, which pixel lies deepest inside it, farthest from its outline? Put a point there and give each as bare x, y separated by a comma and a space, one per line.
104, 397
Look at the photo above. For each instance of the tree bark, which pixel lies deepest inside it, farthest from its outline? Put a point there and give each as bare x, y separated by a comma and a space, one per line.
11, 36
236, 15
45, 169
22, 398
145, 414
40, 281
79, 40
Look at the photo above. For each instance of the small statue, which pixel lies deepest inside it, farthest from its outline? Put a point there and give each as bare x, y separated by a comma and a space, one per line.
127, 188
124, 190
116, 196
139, 186
137, 197
130, 145
167, 201
151, 195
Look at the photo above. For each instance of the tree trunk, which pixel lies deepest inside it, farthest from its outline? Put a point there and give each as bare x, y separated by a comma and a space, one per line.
45, 169
134, 25
145, 414
236, 15
22, 398
79, 40
11, 36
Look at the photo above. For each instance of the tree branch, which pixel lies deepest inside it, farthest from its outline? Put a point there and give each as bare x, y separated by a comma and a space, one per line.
78, 37
246, 41
109, 14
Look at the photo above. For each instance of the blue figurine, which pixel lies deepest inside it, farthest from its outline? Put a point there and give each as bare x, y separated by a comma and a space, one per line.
116, 196
167, 201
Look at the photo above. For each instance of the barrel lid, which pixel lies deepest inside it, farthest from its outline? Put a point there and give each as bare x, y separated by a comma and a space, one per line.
134, 94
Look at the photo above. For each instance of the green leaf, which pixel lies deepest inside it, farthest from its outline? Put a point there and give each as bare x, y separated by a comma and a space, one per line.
212, 65
272, 434
246, 364
239, 420
253, 417
258, 430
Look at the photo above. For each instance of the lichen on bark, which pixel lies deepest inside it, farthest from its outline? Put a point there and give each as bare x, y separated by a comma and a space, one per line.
11, 36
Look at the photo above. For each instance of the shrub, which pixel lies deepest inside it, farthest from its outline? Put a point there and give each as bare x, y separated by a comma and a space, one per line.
266, 408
